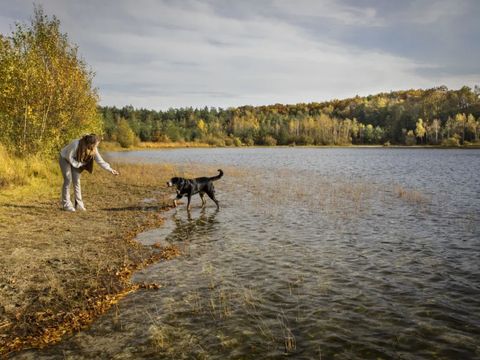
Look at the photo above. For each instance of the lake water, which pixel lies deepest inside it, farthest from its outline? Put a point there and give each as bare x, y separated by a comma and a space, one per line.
315, 253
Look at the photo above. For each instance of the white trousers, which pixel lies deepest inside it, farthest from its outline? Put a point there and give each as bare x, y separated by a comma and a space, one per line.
70, 174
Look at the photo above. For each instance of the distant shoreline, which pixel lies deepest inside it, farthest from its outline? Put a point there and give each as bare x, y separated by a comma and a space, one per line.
113, 146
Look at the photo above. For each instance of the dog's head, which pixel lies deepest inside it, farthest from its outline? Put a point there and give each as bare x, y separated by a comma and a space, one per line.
175, 181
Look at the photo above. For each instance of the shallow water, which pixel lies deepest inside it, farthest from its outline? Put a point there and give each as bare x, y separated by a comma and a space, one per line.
315, 253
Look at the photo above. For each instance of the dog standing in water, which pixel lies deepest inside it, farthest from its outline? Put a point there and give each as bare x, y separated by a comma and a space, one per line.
200, 185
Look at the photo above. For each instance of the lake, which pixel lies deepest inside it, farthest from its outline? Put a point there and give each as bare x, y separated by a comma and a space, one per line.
315, 253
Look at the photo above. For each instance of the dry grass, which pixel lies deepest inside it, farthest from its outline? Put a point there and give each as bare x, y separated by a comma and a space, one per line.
163, 145
59, 270
175, 342
19, 172
289, 341
410, 196
114, 146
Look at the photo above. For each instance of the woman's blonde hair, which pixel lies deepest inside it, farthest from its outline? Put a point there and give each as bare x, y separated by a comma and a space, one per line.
87, 147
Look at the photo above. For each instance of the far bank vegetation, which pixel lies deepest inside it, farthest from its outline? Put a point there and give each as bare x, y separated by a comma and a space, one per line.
436, 116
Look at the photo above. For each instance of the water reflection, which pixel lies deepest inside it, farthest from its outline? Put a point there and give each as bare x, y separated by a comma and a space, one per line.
203, 221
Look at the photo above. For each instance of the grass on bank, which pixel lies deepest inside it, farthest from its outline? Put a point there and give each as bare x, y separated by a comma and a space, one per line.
115, 146
59, 270
17, 172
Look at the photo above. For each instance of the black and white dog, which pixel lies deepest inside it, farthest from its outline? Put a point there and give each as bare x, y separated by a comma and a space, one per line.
189, 187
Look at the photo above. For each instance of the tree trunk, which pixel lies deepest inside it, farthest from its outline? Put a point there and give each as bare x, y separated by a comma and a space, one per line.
25, 115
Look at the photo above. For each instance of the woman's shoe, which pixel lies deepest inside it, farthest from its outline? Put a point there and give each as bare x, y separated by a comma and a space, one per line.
79, 206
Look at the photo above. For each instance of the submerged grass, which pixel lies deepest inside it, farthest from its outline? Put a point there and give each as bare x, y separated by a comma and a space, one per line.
60, 270
411, 196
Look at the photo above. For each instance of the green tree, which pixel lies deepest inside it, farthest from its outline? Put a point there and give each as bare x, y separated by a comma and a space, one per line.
471, 128
124, 134
378, 135
46, 92
368, 134
460, 125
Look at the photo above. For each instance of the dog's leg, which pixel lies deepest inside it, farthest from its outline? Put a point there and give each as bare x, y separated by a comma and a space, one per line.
188, 203
202, 196
178, 197
211, 194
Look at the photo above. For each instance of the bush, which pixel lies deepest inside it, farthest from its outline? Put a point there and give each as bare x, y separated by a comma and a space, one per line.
214, 141
308, 140
269, 140
453, 141
237, 142
233, 141
229, 141
410, 138
163, 139
249, 141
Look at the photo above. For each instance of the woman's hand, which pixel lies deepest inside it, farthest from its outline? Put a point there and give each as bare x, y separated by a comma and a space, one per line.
114, 172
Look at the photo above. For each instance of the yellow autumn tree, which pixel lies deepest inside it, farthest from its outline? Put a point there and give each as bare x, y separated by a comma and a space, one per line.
202, 127
420, 130
46, 92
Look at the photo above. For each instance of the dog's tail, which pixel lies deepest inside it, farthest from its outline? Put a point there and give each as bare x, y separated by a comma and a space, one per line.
218, 176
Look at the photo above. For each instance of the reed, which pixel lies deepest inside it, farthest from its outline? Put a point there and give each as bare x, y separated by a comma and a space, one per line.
410, 196
175, 342
289, 341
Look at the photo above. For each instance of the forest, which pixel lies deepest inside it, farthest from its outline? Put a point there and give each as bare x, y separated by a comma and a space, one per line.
437, 116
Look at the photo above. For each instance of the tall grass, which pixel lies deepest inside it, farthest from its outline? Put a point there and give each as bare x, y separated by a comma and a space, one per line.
16, 171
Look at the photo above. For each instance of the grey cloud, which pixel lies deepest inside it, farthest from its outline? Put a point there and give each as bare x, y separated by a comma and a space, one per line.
161, 54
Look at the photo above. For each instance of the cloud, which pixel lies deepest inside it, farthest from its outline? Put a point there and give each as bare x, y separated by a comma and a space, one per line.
204, 53
328, 9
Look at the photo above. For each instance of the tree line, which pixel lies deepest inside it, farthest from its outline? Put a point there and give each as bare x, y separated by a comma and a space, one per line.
433, 116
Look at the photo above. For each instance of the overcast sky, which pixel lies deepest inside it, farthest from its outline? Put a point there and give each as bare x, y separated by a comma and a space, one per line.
160, 54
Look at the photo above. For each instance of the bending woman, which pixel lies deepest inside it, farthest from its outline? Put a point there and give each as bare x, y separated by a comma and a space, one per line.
74, 158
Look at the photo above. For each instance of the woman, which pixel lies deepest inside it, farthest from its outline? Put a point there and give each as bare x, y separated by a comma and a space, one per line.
74, 158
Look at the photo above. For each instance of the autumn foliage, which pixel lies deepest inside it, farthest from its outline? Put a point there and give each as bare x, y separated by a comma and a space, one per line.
412, 117
46, 91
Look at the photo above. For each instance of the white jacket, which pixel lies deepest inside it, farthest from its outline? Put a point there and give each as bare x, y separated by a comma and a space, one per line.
69, 152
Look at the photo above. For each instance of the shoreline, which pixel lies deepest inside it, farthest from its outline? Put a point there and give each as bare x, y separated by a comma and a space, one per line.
111, 146
63, 270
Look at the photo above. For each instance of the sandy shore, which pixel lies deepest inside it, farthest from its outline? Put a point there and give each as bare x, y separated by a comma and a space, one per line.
60, 270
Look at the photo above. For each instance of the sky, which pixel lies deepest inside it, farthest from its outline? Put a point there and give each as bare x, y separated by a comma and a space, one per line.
220, 53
